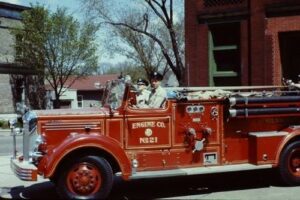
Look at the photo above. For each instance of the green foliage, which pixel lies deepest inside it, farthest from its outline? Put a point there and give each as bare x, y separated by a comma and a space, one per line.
56, 45
4, 124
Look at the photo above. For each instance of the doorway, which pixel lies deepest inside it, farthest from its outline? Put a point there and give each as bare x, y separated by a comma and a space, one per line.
290, 55
224, 54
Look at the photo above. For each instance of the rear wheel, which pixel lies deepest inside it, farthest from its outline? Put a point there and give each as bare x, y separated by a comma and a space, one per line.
89, 177
289, 165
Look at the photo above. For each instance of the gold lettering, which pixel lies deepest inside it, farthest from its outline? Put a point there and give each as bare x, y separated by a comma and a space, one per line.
134, 125
148, 140
153, 140
143, 125
143, 140
161, 124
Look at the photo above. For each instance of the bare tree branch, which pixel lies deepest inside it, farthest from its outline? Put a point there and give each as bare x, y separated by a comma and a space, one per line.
164, 50
160, 29
156, 11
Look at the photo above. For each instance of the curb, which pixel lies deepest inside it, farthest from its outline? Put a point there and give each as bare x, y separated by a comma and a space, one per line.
5, 130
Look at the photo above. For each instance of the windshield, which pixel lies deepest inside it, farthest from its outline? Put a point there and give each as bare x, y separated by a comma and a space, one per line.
114, 93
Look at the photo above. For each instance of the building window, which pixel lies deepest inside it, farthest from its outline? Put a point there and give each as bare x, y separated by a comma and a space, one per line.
80, 101
289, 52
65, 104
218, 3
224, 54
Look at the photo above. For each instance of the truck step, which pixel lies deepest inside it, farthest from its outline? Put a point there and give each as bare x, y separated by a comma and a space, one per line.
197, 171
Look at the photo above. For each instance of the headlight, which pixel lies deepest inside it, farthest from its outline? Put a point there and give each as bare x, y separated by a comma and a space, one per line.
40, 144
38, 148
31, 118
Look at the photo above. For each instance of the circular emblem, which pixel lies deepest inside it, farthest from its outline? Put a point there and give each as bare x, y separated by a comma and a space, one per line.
148, 132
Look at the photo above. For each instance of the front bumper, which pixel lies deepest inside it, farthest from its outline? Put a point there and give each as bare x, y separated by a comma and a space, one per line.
24, 170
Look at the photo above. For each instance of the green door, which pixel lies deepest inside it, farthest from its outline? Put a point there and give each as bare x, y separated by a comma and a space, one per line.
224, 54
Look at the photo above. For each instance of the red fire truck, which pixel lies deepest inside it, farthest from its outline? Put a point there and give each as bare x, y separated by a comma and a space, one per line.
197, 131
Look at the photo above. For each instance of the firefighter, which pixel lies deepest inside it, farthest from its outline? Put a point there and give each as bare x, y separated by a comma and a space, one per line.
143, 94
158, 95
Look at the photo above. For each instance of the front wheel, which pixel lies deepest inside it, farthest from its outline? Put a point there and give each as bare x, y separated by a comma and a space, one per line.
289, 166
89, 177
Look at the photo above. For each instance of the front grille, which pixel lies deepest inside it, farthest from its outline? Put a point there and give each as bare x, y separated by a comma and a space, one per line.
29, 134
24, 170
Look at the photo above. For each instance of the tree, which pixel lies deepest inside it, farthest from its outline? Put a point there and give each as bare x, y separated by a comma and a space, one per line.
32, 85
140, 49
57, 46
156, 23
124, 68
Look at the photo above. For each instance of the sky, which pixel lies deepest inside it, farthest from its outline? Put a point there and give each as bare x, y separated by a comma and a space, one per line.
71, 4
74, 8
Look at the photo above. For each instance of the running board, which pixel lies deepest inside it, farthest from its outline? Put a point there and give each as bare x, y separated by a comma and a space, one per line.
197, 171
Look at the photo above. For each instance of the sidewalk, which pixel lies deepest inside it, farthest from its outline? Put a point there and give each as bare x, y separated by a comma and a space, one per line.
8, 180
5, 132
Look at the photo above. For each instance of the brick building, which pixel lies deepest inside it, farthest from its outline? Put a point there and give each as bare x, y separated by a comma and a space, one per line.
242, 42
10, 17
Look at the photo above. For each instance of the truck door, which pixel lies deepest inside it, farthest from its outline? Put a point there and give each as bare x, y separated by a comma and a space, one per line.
147, 129
148, 137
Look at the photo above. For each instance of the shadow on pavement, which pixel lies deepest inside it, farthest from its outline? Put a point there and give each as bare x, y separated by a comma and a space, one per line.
166, 187
193, 185
45, 190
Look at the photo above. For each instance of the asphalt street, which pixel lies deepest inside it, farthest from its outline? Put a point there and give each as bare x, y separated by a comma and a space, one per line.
248, 185
6, 143
256, 185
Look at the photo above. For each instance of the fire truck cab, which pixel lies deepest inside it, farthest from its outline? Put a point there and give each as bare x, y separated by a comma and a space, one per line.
197, 131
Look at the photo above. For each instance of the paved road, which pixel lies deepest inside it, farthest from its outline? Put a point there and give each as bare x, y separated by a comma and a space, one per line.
6, 143
255, 185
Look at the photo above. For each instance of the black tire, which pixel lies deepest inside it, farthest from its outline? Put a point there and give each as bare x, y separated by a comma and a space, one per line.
89, 177
53, 180
289, 164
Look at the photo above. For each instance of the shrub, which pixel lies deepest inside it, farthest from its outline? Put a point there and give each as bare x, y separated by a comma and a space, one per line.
4, 124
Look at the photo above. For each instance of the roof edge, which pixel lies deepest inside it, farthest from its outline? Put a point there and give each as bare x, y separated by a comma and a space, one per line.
13, 6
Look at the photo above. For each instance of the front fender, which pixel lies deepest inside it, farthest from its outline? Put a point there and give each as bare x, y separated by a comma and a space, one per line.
72, 143
293, 132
